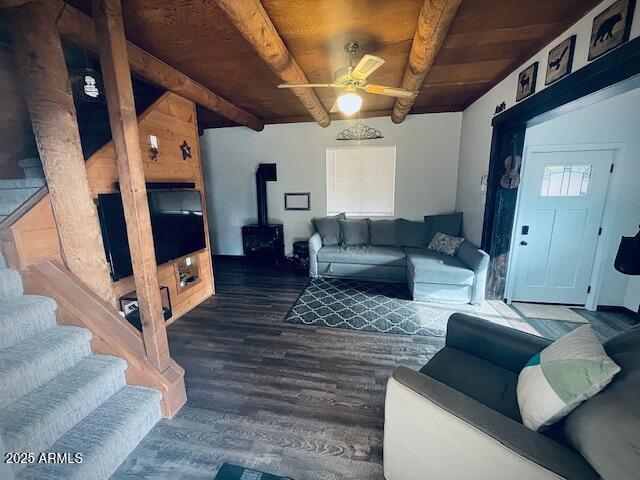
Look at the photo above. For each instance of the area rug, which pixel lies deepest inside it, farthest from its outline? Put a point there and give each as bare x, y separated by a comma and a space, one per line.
549, 312
234, 472
375, 307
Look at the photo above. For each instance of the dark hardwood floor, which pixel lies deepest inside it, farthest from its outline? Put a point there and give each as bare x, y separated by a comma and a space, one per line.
299, 401
292, 400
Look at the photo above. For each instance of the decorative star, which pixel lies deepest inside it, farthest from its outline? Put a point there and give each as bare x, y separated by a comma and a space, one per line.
186, 150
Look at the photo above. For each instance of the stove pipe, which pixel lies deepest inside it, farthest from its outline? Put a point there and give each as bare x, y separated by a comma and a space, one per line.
266, 173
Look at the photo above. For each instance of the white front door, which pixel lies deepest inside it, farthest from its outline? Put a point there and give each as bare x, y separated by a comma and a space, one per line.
560, 209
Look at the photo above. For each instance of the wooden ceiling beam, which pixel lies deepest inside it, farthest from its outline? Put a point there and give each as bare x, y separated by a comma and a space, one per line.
77, 28
434, 21
252, 21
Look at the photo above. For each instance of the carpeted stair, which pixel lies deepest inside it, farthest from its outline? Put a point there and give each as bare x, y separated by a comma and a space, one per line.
57, 396
13, 193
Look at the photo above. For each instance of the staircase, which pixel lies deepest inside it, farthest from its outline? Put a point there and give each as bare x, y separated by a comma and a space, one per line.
57, 396
14, 192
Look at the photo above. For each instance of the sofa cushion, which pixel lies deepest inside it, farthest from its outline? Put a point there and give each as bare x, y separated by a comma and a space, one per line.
604, 429
427, 266
479, 379
362, 254
411, 234
443, 243
558, 379
383, 232
329, 229
451, 224
354, 232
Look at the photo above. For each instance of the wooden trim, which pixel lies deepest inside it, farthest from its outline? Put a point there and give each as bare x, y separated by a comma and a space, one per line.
252, 21
112, 334
77, 28
31, 202
434, 21
339, 116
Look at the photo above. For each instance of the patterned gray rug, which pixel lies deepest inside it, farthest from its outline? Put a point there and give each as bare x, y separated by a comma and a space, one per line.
371, 306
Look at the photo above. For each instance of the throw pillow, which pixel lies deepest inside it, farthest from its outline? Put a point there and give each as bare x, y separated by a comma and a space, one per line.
565, 374
354, 232
329, 229
451, 224
411, 234
443, 243
383, 232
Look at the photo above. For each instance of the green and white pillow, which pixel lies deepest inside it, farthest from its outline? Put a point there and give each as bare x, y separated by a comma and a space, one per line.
562, 376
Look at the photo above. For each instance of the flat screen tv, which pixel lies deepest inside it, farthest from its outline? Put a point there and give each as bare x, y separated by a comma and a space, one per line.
176, 221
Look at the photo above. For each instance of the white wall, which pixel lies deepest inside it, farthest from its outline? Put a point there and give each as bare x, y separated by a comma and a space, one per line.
426, 171
476, 121
611, 121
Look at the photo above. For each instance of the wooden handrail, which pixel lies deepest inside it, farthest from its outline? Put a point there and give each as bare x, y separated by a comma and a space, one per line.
112, 334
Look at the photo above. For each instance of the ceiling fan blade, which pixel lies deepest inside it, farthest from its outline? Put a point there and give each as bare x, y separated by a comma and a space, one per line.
366, 66
307, 85
389, 91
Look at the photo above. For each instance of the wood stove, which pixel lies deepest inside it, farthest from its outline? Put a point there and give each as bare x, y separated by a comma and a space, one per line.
264, 241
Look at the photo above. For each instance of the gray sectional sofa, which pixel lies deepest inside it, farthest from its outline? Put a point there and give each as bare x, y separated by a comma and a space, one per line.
396, 251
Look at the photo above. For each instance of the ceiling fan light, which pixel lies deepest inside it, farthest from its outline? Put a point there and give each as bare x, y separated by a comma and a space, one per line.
349, 103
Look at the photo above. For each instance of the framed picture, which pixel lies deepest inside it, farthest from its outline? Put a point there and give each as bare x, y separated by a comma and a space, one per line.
297, 201
527, 82
611, 28
560, 60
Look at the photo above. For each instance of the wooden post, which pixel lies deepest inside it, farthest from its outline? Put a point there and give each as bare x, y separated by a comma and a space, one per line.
112, 46
43, 75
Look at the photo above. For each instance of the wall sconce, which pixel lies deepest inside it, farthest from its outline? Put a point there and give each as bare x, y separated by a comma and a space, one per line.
153, 147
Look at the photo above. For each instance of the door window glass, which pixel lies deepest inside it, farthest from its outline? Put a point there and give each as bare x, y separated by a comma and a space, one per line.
566, 180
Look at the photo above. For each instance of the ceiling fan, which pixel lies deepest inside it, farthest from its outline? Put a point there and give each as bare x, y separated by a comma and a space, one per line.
351, 79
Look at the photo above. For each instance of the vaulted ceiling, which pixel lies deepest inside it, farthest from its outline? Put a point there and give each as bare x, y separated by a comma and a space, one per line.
487, 40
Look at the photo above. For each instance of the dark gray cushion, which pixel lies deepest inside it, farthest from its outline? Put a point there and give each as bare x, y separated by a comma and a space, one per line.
483, 381
329, 229
451, 224
383, 232
606, 428
427, 266
363, 254
354, 232
503, 346
411, 234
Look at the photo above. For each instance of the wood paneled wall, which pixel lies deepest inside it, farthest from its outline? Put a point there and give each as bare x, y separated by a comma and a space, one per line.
172, 119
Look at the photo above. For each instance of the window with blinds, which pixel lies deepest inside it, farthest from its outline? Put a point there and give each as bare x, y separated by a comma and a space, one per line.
361, 181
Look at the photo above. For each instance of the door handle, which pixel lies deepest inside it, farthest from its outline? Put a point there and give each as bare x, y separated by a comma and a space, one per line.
523, 243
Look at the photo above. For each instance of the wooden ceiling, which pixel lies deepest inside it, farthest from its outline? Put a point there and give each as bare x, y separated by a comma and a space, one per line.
487, 40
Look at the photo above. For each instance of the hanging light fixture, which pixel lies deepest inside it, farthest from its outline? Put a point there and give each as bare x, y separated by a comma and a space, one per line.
349, 102
87, 83
88, 86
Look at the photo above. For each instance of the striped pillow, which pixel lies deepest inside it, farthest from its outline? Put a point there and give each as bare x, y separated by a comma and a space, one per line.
562, 376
